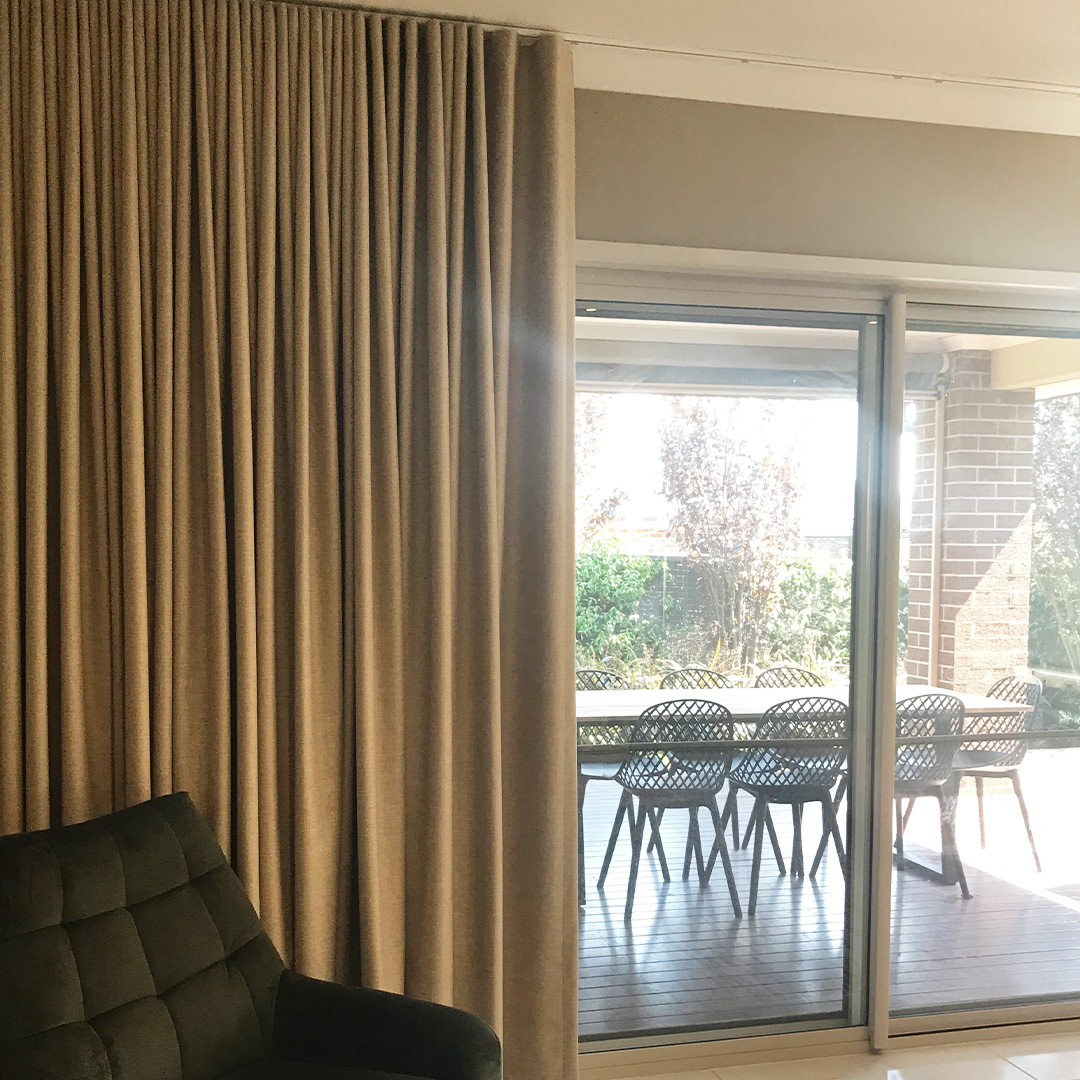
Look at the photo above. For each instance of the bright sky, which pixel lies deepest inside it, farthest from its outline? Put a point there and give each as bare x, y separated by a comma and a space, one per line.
821, 434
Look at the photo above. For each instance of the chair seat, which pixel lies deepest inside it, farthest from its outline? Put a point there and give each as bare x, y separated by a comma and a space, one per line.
974, 760
300, 1070
677, 799
915, 789
783, 793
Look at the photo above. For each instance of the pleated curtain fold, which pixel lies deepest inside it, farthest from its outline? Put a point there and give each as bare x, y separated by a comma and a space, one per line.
286, 472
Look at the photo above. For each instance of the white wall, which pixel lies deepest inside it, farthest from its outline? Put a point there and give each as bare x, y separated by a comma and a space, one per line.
703, 174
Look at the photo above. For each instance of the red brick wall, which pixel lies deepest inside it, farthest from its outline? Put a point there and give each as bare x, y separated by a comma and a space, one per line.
986, 531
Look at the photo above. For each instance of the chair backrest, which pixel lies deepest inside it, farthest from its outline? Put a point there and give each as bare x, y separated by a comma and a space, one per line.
790, 767
128, 948
788, 675
923, 716
695, 678
603, 733
1019, 692
599, 679
676, 770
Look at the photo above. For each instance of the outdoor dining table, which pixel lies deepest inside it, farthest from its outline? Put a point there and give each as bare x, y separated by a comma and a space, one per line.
603, 711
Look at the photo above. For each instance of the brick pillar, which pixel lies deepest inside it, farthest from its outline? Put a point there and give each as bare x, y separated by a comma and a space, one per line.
920, 549
986, 531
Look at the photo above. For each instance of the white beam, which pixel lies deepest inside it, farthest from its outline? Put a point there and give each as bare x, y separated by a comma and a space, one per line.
1031, 364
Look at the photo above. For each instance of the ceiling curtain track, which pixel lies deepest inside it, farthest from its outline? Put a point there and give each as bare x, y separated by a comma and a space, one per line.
286, 375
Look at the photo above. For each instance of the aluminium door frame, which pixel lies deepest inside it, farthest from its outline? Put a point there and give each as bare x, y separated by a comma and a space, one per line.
868, 320
887, 317
1057, 1011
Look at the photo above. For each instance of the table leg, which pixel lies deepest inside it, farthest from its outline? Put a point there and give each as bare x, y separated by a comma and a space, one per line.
950, 857
952, 870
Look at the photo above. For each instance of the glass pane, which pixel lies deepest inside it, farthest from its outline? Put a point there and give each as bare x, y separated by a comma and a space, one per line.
990, 612
715, 490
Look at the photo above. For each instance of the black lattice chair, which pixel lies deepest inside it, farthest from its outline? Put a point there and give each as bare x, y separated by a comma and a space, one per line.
926, 769
673, 777
791, 676
990, 760
696, 677
596, 735
788, 675
793, 775
600, 679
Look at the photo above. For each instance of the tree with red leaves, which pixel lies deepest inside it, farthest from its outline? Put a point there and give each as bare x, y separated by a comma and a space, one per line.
733, 502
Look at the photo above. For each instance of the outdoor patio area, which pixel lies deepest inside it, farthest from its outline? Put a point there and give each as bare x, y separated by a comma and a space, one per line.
718, 559
684, 961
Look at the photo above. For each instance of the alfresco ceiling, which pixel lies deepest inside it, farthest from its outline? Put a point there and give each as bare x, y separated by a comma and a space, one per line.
978, 63
682, 356
672, 356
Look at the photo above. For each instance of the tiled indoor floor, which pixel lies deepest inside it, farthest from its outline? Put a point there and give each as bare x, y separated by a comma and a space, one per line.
1045, 1058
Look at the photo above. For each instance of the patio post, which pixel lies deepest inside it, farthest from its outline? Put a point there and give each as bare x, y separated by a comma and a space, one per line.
972, 501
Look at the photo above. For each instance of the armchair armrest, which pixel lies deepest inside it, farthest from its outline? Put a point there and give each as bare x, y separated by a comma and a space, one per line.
327, 1024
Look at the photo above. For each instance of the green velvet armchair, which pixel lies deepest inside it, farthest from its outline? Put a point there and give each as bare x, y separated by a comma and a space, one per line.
129, 951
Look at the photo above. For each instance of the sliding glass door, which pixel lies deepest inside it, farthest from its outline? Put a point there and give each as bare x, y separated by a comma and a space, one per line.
764, 500
720, 543
986, 882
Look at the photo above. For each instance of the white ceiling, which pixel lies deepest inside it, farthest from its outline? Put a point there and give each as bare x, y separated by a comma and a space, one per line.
989, 63
1033, 40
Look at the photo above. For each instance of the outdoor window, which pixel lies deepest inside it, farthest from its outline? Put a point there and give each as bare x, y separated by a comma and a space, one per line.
990, 606
716, 467
739, 494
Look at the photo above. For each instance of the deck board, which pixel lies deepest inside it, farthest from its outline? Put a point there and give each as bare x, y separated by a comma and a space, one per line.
686, 962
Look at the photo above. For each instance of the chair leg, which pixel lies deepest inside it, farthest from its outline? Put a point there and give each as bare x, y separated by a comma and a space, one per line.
653, 817
659, 816
772, 839
582, 783
698, 857
796, 840
718, 828
688, 855
841, 791
730, 805
907, 813
626, 805
982, 816
731, 812
720, 847
757, 819
637, 832
749, 832
965, 892
829, 812
1014, 776
823, 843
900, 832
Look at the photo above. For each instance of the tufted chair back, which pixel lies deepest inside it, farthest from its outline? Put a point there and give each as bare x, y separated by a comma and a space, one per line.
129, 951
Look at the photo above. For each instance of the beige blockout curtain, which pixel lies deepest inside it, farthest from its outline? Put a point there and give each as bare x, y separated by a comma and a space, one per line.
286, 472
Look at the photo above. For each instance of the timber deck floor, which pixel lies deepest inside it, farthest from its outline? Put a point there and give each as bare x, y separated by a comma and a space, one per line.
684, 961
